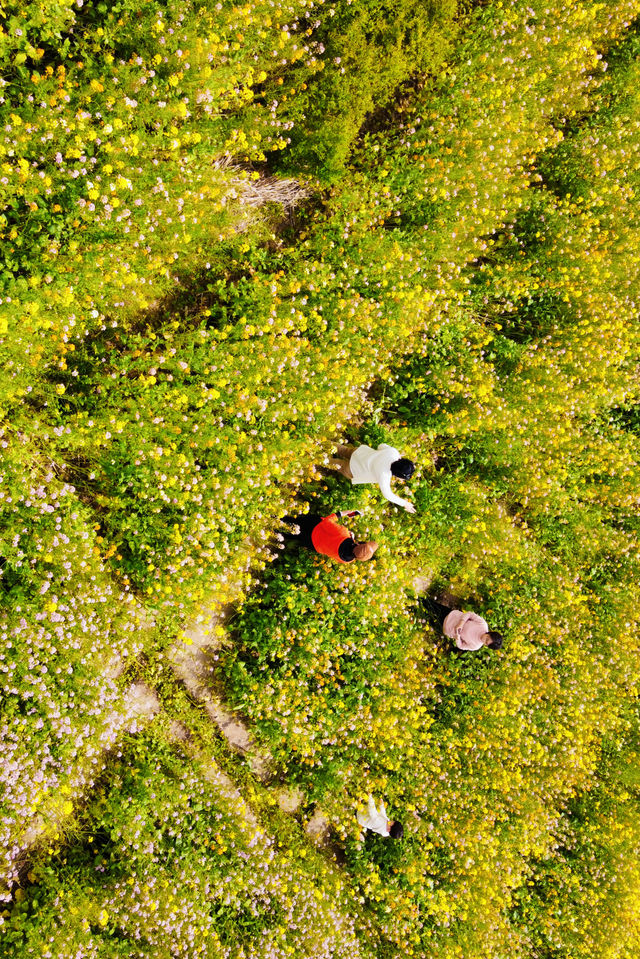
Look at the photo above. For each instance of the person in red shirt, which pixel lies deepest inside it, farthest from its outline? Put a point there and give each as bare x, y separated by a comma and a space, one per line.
325, 535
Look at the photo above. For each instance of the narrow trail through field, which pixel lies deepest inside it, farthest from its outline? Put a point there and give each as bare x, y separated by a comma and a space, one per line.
194, 664
193, 661
139, 705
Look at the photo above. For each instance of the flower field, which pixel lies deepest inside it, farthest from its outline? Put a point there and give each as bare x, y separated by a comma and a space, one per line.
234, 235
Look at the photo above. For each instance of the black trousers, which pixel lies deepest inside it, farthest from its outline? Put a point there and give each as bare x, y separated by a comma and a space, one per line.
307, 523
436, 611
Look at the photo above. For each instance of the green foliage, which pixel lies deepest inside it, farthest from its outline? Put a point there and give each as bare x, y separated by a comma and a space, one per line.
370, 49
174, 368
171, 863
580, 899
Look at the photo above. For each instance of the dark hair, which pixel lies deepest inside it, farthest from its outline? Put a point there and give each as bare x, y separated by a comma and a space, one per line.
396, 831
403, 469
497, 639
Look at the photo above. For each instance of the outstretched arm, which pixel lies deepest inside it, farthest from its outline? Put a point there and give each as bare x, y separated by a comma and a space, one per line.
387, 492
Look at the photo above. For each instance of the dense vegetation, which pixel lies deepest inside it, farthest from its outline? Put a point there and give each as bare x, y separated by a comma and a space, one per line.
232, 235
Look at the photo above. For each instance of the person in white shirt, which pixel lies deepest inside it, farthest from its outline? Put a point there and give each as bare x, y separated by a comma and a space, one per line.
366, 465
377, 821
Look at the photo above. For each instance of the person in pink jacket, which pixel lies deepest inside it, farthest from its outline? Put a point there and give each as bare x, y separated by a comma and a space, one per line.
470, 631
467, 630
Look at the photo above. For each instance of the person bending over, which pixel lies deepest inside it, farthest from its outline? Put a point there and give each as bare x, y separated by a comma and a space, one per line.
325, 535
377, 821
468, 630
366, 465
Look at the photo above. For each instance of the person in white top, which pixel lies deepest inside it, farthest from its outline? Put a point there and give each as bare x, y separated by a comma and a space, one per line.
377, 821
366, 465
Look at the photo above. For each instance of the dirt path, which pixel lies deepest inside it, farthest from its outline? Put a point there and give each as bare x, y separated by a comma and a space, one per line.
193, 659
139, 705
